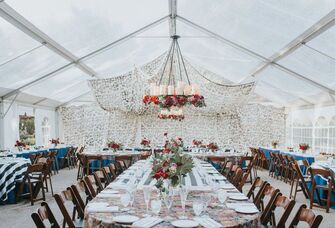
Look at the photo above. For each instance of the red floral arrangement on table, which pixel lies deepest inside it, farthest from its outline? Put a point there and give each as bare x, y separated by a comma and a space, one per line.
303, 146
115, 146
197, 142
55, 141
168, 101
19, 144
171, 165
145, 142
213, 146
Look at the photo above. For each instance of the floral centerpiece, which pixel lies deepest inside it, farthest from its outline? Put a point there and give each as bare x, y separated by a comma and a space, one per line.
303, 147
20, 144
171, 165
145, 142
168, 101
274, 144
197, 143
55, 141
213, 146
114, 145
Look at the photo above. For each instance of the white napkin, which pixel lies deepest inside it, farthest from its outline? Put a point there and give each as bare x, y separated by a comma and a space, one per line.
234, 205
101, 207
147, 222
110, 191
207, 222
108, 195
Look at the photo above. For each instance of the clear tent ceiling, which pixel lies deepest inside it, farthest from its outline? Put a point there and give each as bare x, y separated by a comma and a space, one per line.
49, 49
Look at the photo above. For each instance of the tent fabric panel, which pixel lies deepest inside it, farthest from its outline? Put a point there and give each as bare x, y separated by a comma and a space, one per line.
29, 67
262, 26
59, 83
218, 57
85, 25
312, 65
13, 42
123, 57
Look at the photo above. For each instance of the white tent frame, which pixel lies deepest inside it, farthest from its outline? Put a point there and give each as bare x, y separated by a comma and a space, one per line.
13, 17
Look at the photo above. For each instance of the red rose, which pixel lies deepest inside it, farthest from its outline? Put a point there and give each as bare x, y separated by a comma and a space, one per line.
154, 99
164, 175
166, 150
146, 99
181, 100
157, 175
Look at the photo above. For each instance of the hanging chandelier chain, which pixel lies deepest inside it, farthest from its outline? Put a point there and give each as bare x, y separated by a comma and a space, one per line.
167, 60
171, 65
179, 66
182, 59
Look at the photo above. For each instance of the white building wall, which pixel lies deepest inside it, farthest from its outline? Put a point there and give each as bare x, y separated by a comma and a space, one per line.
11, 122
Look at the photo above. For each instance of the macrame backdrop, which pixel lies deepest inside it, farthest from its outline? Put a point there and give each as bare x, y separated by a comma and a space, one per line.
121, 116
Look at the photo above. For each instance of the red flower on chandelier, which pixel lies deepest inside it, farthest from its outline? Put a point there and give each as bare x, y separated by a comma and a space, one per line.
168, 101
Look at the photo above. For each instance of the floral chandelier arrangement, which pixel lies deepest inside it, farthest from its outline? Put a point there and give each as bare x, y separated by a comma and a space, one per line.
166, 93
173, 114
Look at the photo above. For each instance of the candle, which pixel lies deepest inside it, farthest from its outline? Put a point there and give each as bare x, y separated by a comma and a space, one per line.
195, 89
162, 90
152, 89
187, 90
156, 90
170, 90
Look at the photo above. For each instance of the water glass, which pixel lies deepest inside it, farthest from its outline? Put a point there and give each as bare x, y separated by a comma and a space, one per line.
125, 199
206, 198
222, 196
147, 193
183, 197
198, 206
156, 206
168, 200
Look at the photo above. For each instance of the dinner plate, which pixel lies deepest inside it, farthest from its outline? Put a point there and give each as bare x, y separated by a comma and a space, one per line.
246, 209
185, 223
238, 197
227, 186
219, 178
107, 191
126, 219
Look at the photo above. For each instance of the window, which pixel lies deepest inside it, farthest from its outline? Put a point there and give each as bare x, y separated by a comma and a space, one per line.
302, 133
321, 135
331, 141
27, 129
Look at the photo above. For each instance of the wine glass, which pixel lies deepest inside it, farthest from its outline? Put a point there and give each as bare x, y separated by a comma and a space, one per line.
168, 200
125, 199
147, 193
198, 206
207, 198
156, 206
183, 197
222, 196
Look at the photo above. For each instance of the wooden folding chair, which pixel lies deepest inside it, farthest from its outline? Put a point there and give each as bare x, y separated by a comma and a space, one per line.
44, 213
299, 180
34, 179
306, 215
269, 214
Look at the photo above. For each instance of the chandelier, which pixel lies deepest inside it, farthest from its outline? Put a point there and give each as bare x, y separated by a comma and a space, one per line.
166, 92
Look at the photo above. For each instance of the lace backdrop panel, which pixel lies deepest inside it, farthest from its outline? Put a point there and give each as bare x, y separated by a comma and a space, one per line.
252, 125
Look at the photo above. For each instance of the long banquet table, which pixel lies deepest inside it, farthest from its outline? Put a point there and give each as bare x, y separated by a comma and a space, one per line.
102, 209
297, 156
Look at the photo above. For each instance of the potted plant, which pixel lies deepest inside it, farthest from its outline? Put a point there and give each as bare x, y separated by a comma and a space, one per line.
213, 146
303, 147
274, 144
145, 143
